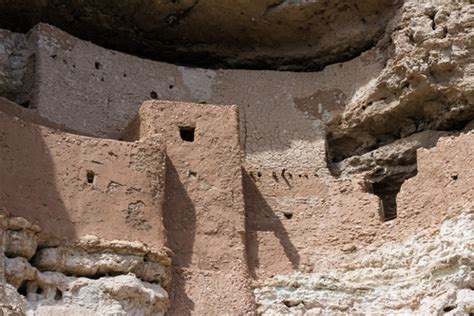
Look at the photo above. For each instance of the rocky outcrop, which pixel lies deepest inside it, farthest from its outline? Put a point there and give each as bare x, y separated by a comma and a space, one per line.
270, 34
13, 63
424, 92
90, 277
397, 158
427, 83
425, 275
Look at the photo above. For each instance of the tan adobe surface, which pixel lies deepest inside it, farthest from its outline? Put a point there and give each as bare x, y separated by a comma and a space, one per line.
117, 186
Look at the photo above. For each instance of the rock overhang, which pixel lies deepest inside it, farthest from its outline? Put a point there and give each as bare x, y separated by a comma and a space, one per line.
271, 34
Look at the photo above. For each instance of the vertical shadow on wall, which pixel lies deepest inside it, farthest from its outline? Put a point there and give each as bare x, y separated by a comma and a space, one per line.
28, 175
259, 216
180, 225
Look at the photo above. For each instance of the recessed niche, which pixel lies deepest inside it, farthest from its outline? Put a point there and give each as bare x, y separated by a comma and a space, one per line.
187, 133
90, 176
25, 104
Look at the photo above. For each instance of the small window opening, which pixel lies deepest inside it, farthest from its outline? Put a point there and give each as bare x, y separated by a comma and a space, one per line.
387, 191
187, 133
97, 65
153, 95
90, 176
171, 86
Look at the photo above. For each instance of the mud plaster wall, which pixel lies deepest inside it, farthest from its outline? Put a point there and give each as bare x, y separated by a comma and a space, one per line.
204, 208
292, 213
316, 223
74, 186
443, 185
95, 90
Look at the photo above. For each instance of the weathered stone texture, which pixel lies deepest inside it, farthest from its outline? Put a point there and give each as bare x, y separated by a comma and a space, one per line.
267, 34
91, 276
13, 61
418, 277
428, 82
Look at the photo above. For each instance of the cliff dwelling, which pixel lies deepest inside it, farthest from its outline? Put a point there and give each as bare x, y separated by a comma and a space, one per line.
200, 157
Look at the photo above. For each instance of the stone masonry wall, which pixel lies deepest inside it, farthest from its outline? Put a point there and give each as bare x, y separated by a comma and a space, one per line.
98, 91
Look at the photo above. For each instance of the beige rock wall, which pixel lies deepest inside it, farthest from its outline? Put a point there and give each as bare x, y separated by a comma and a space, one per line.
73, 186
427, 84
392, 117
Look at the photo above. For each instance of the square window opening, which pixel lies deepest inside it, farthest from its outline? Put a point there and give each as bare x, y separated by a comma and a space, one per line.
187, 133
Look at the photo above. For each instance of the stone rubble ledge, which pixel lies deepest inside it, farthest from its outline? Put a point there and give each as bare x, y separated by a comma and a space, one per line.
89, 277
90, 256
54, 293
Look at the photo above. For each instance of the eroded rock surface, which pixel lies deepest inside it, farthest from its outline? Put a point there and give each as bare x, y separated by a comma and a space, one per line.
91, 277
270, 34
13, 62
426, 84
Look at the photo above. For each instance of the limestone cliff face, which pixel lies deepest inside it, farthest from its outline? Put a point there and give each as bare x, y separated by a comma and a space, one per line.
428, 81
89, 277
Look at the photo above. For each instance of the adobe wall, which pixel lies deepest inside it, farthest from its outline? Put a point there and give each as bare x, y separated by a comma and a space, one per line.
302, 219
420, 262
443, 186
95, 90
204, 207
2, 265
73, 186
316, 224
